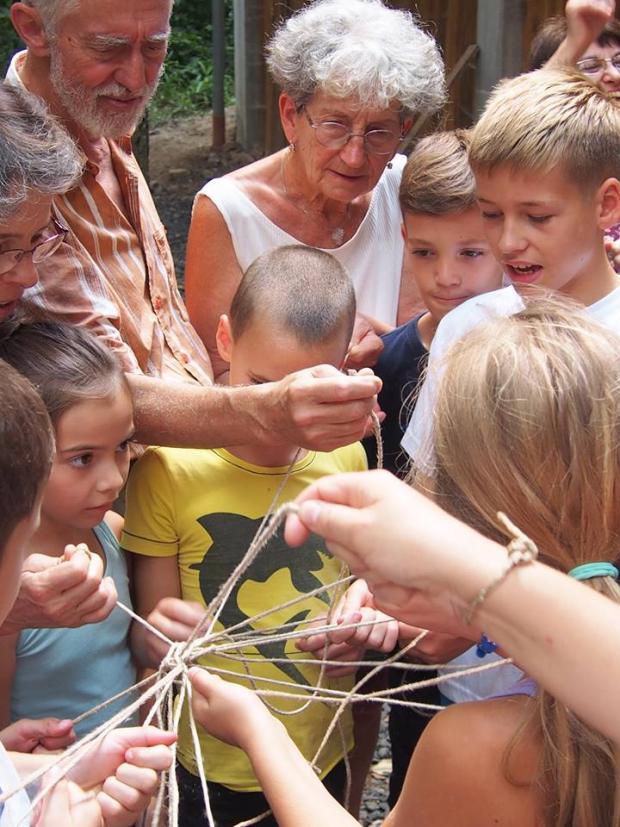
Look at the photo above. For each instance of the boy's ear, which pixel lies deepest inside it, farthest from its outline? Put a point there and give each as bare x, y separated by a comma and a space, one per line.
223, 338
608, 203
29, 26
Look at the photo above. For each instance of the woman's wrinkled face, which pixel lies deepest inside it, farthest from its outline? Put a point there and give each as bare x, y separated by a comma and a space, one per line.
347, 172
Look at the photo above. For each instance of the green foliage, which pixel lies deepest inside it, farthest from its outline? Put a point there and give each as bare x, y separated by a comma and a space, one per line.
187, 83
8, 39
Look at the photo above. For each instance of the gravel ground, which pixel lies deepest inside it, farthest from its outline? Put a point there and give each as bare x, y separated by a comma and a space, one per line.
180, 163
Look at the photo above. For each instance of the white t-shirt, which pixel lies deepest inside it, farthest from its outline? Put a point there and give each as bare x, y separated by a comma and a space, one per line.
418, 442
418, 438
14, 810
373, 257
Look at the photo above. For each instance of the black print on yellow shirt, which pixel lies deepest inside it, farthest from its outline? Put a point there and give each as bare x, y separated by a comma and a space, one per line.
231, 535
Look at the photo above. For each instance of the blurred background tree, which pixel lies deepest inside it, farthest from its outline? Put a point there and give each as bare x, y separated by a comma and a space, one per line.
187, 83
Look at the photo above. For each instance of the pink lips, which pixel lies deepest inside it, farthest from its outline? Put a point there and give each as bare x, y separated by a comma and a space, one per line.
524, 277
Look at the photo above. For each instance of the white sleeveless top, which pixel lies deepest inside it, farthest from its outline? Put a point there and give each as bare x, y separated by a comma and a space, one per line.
373, 256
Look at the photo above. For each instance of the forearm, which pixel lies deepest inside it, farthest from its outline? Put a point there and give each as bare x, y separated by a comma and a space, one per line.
193, 416
567, 54
552, 627
295, 793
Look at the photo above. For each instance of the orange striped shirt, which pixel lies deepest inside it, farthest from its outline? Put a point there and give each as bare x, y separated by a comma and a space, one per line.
115, 274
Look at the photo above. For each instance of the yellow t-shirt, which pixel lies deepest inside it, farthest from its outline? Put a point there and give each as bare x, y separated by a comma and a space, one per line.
204, 506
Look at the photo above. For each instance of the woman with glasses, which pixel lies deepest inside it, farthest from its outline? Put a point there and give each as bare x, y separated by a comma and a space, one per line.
37, 160
353, 74
587, 35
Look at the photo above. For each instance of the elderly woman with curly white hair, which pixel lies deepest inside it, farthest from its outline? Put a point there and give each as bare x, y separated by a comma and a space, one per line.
353, 74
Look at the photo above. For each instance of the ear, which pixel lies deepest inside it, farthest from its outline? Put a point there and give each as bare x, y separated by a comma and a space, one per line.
407, 124
288, 116
223, 338
29, 26
608, 203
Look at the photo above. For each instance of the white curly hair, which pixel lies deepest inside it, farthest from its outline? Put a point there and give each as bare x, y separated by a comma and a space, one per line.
358, 49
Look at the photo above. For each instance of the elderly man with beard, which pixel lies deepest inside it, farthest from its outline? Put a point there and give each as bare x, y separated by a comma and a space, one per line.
96, 64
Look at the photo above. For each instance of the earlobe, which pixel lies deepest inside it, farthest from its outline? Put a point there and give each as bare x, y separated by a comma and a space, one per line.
608, 198
29, 26
223, 338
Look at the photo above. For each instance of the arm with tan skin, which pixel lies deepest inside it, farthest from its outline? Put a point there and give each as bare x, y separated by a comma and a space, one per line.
585, 20
318, 408
549, 623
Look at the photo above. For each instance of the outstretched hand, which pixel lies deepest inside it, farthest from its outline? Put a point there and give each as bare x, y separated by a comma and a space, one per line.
228, 711
585, 20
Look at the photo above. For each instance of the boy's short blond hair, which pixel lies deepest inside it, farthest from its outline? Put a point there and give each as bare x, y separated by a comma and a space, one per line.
547, 119
437, 178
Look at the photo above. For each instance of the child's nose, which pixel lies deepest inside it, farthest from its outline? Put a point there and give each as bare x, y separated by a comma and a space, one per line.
446, 275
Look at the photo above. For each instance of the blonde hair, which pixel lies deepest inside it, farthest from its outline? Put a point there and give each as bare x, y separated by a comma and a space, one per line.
547, 119
528, 422
437, 178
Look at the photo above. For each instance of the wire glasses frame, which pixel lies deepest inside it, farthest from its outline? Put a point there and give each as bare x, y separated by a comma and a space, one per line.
40, 251
594, 65
335, 135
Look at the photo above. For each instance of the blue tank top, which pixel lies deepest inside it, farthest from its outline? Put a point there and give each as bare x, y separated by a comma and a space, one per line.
64, 672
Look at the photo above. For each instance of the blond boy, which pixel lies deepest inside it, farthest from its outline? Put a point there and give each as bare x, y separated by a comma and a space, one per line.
545, 155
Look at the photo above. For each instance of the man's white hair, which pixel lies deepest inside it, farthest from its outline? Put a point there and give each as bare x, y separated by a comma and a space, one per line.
52, 11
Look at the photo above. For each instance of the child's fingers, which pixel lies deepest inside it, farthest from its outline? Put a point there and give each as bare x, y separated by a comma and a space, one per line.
158, 757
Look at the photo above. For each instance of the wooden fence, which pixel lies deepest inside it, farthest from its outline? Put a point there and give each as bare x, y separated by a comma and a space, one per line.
453, 22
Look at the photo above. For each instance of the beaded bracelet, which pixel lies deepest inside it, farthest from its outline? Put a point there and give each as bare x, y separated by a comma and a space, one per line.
521, 551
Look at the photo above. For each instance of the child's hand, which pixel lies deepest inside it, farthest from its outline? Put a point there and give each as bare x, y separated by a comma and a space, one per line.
26, 735
365, 346
68, 805
585, 20
176, 619
145, 747
228, 711
349, 644
125, 795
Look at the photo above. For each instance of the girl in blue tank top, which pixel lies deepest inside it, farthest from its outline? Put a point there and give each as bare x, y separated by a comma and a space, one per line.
65, 672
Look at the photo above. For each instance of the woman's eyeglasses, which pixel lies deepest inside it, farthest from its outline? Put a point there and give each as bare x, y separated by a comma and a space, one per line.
335, 135
54, 236
594, 65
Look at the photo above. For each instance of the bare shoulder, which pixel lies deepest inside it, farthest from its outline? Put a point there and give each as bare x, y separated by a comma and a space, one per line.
457, 775
115, 523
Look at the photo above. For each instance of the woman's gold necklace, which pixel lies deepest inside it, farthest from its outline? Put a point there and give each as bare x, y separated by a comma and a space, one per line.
335, 233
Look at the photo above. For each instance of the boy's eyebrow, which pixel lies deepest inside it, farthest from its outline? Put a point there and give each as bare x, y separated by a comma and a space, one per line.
521, 203
464, 243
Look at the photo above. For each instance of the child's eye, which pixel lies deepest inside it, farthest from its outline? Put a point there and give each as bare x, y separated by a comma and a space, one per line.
81, 461
490, 216
539, 219
421, 252
124, 446
472, 253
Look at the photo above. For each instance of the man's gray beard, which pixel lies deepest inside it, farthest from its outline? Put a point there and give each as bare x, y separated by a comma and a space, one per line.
80, 103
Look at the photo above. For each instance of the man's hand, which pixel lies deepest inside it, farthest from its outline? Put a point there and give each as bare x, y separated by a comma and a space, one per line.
319, 408
26, 735
61, 592
366, 345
